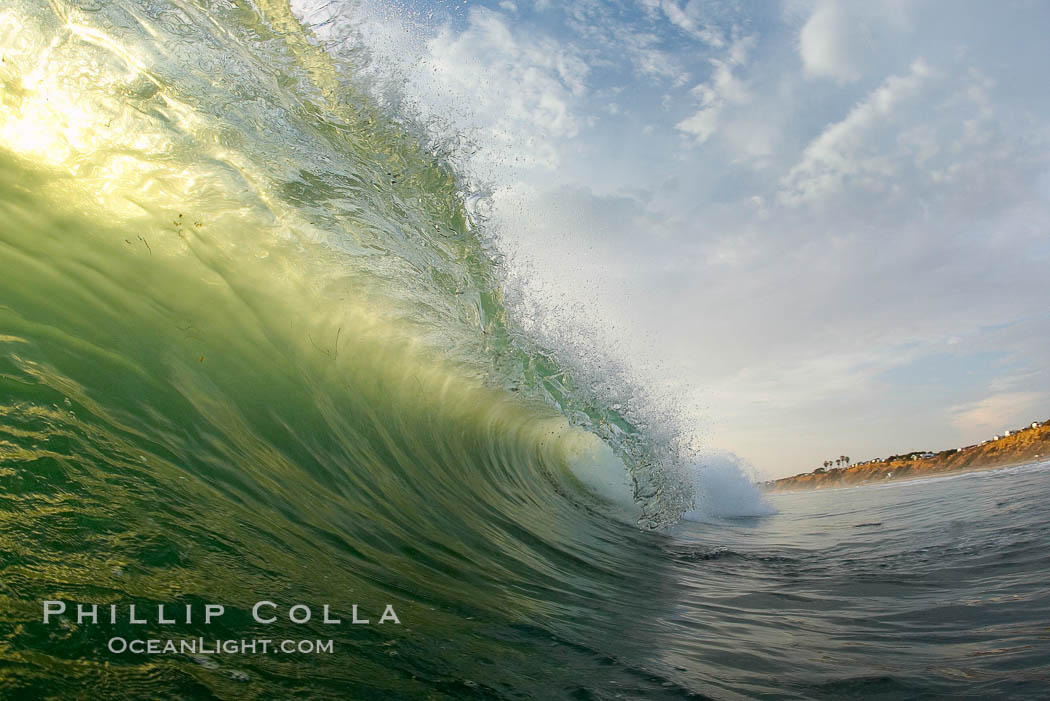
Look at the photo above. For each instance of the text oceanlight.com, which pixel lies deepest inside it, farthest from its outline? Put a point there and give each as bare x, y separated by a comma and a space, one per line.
200, 646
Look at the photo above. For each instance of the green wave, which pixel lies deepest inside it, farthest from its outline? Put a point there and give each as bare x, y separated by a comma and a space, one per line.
253, 345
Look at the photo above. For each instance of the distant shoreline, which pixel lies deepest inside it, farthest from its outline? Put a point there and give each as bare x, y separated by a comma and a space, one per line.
1024, 445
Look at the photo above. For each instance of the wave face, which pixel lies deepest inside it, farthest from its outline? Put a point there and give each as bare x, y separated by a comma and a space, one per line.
253, 346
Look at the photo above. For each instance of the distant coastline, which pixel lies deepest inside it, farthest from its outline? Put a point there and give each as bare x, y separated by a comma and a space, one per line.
1013, 448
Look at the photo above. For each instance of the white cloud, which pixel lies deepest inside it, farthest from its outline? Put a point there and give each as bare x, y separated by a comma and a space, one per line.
845, 150
714, 95
515, 83
927, 140
838, 39
999, 412
687, 19
825, 44
656, 63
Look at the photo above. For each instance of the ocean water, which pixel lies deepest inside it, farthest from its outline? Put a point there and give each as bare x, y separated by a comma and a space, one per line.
934, 588
254, 346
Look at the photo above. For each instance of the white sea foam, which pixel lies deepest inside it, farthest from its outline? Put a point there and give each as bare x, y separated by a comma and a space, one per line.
724, 489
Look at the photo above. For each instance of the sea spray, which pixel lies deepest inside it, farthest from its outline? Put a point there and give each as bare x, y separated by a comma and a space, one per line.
725, 489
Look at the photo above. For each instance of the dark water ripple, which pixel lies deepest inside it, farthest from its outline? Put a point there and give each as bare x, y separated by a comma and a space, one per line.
946, 598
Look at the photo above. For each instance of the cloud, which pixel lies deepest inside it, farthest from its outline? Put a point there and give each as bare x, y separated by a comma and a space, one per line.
838, 39
825, 44
999, 412
845, 150
687, 19
928, 142
650, 61
722, 90
519, 87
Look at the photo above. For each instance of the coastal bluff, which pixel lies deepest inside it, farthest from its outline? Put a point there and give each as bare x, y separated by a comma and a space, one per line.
1022, 446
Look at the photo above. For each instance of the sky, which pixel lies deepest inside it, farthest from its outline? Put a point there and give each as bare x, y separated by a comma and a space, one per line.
820, 228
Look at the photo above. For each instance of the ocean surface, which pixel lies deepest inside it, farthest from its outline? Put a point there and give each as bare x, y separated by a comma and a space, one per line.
254, 345
929, 589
